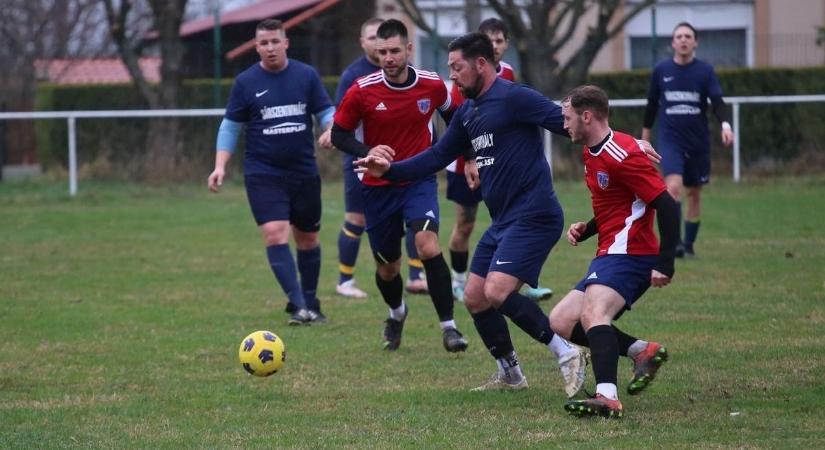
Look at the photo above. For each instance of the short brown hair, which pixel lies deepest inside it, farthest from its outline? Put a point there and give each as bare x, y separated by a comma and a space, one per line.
371, 21
589, 97
270, 25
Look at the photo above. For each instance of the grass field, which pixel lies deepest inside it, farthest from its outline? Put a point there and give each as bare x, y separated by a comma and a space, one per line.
121, 312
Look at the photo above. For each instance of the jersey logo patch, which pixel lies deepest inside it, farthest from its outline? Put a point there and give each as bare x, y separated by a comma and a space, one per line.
430, 213
381, 107
424, 105
603, 179
593, 276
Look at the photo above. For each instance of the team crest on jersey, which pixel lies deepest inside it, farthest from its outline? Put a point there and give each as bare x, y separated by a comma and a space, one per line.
603, 179
424, 105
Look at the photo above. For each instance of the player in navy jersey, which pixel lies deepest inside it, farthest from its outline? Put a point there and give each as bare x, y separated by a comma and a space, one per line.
459, 191
679, 92
394, 106
500, 122
349, 238
627, 192
275, 100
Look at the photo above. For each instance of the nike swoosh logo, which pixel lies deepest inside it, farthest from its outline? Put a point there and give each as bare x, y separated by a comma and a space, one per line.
668, 79
500, 262
258, 94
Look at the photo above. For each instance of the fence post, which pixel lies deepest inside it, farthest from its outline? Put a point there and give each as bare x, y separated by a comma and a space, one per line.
736, 159
72, 157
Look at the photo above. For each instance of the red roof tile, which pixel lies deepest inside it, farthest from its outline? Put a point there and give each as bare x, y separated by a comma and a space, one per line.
94, 71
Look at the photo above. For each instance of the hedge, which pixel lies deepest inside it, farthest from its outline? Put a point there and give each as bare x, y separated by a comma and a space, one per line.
772, 135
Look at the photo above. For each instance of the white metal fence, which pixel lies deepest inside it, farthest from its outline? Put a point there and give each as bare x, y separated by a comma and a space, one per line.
72, 117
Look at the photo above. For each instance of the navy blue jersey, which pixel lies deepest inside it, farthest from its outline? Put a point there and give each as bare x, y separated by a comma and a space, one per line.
277, 109
359, 68
682, 92
502, 126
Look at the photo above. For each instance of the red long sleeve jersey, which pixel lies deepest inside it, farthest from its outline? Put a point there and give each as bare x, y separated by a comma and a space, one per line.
622, 183
505, 71
395, 116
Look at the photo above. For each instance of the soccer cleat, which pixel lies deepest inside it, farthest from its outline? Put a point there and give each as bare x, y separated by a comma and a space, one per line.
573, 368
680, 250
596, 406
349, 289
458, 293
303, 317
318, 318
290, 308
392, 332
417, 286
689, 253
538, 293
499, 382
645, 366
454, 341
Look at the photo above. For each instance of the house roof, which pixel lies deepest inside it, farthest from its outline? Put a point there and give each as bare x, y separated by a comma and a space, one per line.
257, 11
94, 71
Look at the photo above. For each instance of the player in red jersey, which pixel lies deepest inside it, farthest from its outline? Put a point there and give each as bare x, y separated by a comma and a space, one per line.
466, 197
627, 192
394, 106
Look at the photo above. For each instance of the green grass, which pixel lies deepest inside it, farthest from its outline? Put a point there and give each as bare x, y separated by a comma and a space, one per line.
121, 312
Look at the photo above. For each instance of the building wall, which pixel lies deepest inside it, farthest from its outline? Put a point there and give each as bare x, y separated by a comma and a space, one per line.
786, 32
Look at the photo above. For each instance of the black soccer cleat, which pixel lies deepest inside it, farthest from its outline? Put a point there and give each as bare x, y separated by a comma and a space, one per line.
454, 341
596, 406
392, 332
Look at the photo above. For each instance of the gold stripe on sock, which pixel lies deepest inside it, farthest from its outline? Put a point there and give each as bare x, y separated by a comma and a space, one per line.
345, 269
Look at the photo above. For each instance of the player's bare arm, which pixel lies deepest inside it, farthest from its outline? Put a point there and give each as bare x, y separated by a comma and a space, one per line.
325, 140
215, 179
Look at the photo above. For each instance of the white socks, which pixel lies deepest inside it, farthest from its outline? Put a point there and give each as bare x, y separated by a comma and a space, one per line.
560, 347
447, 324
608, 390
510, 368
398, 313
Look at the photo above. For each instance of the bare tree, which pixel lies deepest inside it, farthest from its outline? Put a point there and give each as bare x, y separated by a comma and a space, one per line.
32, 30
163, 152
541, 28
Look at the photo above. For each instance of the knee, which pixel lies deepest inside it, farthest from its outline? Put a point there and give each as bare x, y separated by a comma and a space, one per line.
275, 233
306, 241
675, 191
495, 295
464, 230
426, 243
389, 271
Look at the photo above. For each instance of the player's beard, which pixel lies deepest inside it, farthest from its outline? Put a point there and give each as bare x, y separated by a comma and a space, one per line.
471, 91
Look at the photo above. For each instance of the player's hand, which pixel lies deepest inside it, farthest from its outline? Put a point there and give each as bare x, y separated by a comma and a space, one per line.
646, 134
215, 179
382, 151
650, 152
658, 279
471, 174
373, 165
575, 232
727, 137
325, 140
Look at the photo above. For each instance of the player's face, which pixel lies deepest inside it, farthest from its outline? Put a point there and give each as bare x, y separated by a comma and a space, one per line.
271, 46
684, 42
500, 45
573, 123
464, 74
368, 43
394, 54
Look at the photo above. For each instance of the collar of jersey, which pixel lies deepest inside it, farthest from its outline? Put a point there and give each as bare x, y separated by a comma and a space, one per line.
596, 149
412, 79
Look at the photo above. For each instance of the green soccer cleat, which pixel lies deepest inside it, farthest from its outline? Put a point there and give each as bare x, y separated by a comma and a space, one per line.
596, 406
538, 294
645, 366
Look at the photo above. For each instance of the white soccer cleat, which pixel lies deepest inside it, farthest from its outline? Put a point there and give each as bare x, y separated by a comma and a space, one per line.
348, 289
499, 382
573, 368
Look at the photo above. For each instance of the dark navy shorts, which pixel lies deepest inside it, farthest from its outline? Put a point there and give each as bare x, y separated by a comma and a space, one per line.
293, 198
519, 248
353, 194
388, 209
629, 275
693, 166
459, 192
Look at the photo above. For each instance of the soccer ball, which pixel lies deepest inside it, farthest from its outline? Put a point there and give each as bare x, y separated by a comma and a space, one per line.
262, 353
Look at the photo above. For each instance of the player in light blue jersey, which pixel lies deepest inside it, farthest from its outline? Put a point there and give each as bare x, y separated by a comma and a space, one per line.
274, 100
679, 92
